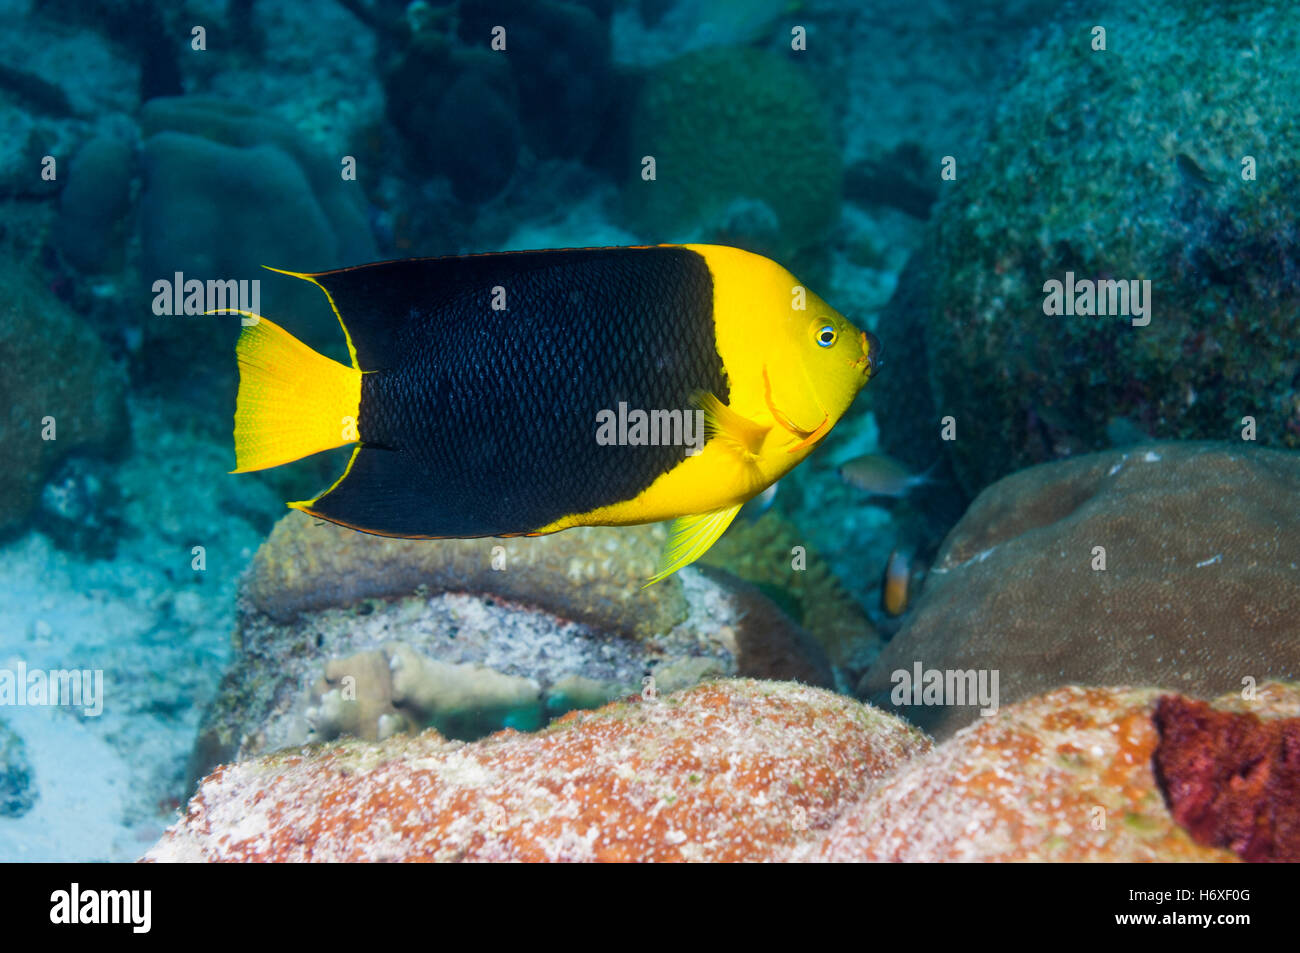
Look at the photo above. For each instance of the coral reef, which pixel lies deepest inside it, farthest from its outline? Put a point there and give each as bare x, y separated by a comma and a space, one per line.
1199, 543
213, 169
1065, 776
16, 789
456, 113
95, 205
586, 574
473, 635
376, 694
1231, 778
745, 770
55, 367
762, 552
81, 507
730, 770
1061, 185
559, 56
744, 155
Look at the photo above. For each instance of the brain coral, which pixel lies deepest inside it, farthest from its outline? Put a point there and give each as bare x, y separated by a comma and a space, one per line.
1200, 587
1120, 164
730, 128
729, 770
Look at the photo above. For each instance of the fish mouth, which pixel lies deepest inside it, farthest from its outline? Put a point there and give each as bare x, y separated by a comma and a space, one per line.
870, 361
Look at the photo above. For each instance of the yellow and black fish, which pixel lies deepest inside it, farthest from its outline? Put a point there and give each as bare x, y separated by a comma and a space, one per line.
479, 384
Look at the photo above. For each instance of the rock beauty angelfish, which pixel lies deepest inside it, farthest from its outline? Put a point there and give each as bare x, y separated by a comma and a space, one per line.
479, 384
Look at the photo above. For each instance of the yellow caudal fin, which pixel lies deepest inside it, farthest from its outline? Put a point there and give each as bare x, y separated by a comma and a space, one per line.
690, 537
292, 401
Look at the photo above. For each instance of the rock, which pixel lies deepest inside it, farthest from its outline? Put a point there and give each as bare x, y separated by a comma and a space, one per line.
17, 789
432, 634
455, 108
81, 507
587, 574
55, 367
213, 169
735, 124
763, 552
559, 56
1201, 545
725, 771
1231, 778
95, 205
1065, 776
1057, 160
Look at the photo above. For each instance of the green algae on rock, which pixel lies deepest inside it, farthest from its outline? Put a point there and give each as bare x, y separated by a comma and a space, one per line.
1200, 589
1069, 180
586, 574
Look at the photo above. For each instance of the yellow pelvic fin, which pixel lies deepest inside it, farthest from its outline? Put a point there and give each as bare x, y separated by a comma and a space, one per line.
738, 433
292, 401
690, 537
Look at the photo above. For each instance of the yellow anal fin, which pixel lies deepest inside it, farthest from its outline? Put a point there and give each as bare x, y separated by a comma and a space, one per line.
738, 433
690, 537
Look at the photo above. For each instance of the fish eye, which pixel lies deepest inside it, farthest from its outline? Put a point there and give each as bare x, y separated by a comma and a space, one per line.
826, 335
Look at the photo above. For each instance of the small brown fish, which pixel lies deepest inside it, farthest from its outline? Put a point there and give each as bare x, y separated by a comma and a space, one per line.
896, 588
882, 475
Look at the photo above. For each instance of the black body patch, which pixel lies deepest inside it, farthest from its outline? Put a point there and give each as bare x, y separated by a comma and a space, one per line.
478, 422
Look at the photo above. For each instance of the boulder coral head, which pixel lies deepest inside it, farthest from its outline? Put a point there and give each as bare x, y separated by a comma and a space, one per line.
1166, 564
1197, 216
1072, 775
728, 770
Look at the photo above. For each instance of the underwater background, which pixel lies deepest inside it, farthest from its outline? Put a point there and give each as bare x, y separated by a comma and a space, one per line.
1072, 227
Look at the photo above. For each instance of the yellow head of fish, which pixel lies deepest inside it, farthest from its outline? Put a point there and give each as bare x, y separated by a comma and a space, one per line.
793, 362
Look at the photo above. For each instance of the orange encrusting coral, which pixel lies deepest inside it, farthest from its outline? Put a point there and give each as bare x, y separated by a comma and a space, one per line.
725, 771
1067, 776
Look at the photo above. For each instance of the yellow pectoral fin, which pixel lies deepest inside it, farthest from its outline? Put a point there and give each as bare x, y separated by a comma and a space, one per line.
689, 538
739, 433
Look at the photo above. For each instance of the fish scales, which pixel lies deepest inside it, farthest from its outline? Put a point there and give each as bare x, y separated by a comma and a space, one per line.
496, 410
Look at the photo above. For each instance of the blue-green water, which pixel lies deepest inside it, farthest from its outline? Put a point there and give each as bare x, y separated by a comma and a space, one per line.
1071, 227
